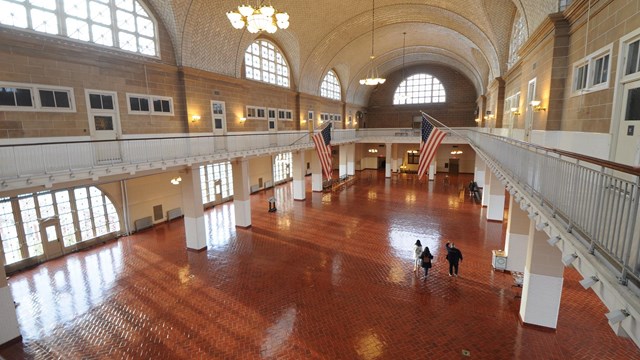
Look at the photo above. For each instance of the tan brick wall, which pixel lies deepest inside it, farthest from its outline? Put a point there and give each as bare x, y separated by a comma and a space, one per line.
458, 110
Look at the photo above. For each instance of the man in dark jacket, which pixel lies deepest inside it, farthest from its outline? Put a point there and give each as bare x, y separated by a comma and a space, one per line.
454, 256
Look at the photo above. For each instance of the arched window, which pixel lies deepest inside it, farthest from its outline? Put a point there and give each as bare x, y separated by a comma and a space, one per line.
330, 87
419, 89
123, 24
264, 62
82, 214
517, 39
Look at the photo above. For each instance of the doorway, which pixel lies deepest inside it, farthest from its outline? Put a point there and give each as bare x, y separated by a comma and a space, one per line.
628, 146
104, 124
51, 234
219, 116
454, 165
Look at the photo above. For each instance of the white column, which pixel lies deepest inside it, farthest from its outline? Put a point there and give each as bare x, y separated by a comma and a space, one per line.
394, 158
316, 172
9, 330
495, 210
480, 168
241, 192
542, 286
351, 159
342, 168
387, 160
517, 240
299, 170
432, 170
194, 229
486, 188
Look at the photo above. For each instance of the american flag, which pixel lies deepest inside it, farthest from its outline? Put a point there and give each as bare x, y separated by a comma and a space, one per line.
431, 138
323, 147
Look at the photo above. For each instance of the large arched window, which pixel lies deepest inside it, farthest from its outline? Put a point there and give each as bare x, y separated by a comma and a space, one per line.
123, 24
264, 62
518, 36
81, 214
330, 87
419, 89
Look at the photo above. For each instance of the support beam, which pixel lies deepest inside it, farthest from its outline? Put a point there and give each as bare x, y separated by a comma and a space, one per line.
316, 173
486, 188
342, 154
351, 159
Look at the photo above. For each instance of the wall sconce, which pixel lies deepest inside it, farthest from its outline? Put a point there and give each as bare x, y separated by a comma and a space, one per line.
569, 259
478, 120
514, 111
616, 316
456, 152
243, 119
535, 105
195, 118
176, 180
589, 281
373, 151
553, 240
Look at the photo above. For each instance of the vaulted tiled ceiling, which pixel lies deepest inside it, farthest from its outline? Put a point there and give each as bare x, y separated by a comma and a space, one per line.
471, 36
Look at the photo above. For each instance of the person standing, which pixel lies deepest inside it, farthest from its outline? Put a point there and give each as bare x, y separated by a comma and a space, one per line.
417, 251
426, 258
454, 256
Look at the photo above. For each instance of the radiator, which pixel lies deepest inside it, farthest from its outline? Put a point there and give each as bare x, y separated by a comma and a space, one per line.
174, 214
255, 188
143, 223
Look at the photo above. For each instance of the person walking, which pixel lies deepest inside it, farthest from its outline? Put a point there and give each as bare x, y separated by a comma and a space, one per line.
454, 256
426, 258
417, 251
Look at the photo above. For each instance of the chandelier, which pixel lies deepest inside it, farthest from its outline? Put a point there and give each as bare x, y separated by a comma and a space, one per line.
260, 18
373, 78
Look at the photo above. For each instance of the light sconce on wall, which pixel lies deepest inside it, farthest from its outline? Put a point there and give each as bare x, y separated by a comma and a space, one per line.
589, 282
616, 316
243, 119
176, 180
195, 118
554, 240
373, 151
535, 105
515, 111
569, 259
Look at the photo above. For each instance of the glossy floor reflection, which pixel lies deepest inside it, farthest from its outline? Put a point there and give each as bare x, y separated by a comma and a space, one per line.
326, 278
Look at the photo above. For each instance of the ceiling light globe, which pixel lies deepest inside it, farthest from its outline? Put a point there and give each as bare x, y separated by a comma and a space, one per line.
234, 16
282, 16
267, 10
252, 28
381, 81
272, 29
245, 10
238, 24
362, 82
283, 24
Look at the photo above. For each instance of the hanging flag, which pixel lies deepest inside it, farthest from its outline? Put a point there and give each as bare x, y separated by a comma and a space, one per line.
323, 147
431, 138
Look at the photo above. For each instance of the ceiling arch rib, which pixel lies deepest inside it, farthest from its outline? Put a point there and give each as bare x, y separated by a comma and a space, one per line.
423, 24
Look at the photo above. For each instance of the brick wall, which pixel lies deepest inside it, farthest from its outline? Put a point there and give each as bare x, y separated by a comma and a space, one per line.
458, 110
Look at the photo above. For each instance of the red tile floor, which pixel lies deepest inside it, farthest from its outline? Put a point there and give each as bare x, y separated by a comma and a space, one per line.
326, 278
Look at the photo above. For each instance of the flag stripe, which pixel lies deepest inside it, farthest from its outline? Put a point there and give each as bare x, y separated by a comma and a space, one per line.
431, 139
322, 141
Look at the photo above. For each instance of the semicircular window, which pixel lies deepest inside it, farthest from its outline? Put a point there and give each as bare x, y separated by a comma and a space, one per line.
419, 89
122, 24
263, 61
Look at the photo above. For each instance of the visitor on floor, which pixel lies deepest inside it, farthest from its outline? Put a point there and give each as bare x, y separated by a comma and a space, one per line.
417, 251
454, 256
426, 261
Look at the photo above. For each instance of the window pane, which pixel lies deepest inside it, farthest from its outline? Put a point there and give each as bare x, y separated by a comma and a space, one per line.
145, 26
7, 96
633, 104
46, 4
107, 102
102, 35
62, 99
44, 21
127, 41
95, 101
77, 8
78, 29
126, 21
46, 98
144, 104
632, 58
146, 46
100, 13
157, 105
134, 104
13, 14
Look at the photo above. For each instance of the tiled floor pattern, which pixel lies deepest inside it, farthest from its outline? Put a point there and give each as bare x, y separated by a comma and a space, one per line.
326, 278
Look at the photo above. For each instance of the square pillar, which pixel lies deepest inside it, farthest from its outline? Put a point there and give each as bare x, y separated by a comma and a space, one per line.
394, 158
486, 188
351, 159
299, 170
316, 173
432, 170
194, 228
479, 169
342, 153
9, 330
542, 287
241, 192
517, 240
496, 196
387, 160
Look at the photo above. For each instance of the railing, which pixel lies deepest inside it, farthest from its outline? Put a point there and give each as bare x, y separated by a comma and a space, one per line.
597, 199
25, 160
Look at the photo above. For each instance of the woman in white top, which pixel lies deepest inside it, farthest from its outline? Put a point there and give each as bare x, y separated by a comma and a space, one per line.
417, 252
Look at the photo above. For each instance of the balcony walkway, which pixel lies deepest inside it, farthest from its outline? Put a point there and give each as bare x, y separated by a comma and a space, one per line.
326, 278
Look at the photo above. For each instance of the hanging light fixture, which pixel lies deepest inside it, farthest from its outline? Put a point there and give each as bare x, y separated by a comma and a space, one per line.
260, 18
402, 98
372, 74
